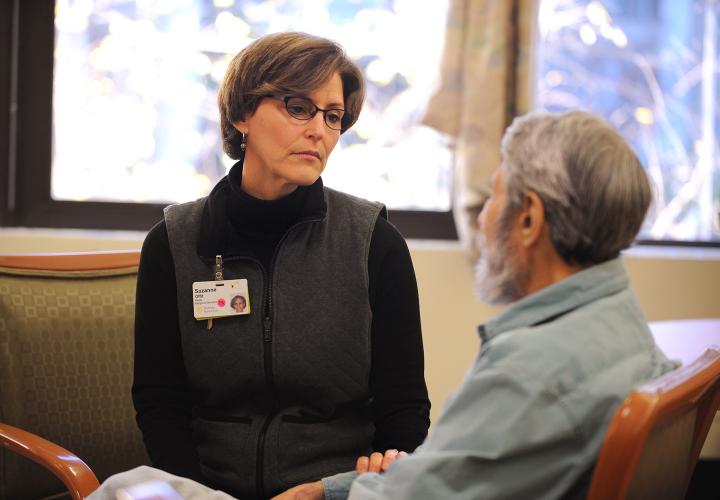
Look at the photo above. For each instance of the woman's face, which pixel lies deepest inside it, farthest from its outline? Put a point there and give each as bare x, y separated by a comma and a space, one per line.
239, 304
284, 152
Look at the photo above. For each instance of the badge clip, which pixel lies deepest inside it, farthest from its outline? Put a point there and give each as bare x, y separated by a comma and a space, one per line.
218, 277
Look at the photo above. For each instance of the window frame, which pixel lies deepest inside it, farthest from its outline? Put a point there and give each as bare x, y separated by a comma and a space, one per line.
27, 30
7, 44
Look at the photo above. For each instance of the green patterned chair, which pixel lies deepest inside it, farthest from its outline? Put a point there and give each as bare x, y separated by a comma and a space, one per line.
66, 344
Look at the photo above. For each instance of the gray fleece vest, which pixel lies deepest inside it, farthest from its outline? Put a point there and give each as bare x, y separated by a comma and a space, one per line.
281, 395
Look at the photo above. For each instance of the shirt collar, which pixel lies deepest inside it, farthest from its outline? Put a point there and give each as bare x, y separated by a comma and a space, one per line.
559, 298
217, 234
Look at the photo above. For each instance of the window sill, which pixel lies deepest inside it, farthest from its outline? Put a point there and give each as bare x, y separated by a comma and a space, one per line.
24, 239
666, 252
47, 240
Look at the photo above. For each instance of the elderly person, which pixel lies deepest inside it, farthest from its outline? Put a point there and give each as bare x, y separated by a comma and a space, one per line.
297, 389
530, 416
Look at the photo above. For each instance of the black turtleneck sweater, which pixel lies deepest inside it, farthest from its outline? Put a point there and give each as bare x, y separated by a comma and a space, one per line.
162, 398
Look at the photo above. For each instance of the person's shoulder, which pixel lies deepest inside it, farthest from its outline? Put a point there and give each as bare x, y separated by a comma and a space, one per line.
352, 211
613, 323
335, 196
156, 257
181, 210
535, 353
386, 237
156, 238
574, 348
519, 347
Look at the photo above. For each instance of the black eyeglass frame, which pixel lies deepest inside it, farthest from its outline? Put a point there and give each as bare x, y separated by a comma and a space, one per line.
346, 117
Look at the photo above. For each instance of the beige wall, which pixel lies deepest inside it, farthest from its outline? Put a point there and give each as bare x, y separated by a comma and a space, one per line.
671, 284
684, 285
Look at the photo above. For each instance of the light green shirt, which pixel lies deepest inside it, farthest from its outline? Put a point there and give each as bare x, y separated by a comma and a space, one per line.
529, 418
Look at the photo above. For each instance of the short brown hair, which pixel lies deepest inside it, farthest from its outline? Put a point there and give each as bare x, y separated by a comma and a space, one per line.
283, 63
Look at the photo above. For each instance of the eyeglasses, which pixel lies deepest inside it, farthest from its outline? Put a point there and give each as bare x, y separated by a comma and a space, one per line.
304, 109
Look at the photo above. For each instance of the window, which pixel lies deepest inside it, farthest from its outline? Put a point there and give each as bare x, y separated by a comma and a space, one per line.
130, 92
651, 68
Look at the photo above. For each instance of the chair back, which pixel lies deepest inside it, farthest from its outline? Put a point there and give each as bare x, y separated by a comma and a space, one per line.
66, 348
654, 439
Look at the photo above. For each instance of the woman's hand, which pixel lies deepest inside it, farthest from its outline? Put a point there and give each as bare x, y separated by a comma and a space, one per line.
307, 491
377, 462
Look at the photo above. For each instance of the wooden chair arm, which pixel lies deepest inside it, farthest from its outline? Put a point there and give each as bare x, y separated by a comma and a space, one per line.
77, 476
75, 261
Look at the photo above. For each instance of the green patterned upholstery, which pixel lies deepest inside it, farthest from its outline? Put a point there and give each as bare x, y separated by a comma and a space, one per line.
66, 343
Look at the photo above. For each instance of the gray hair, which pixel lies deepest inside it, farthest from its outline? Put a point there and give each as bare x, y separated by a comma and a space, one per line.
594, 189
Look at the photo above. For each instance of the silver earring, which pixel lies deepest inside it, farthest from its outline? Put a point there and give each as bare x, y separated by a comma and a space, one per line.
243, 142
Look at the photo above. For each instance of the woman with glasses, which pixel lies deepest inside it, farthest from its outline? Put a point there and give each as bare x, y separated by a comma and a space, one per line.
326, 363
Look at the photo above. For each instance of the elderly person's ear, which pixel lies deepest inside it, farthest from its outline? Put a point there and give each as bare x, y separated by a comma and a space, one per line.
532, 219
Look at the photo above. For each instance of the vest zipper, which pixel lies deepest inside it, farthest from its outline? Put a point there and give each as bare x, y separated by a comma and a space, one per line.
269, 381
267, 357
267, 354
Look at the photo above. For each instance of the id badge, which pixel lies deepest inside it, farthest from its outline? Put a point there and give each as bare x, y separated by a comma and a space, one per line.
218, 299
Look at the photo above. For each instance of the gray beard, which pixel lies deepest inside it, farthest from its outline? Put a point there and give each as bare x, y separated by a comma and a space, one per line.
499, 280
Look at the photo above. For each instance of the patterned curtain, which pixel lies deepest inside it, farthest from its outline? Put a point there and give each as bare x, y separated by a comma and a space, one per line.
486, 81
